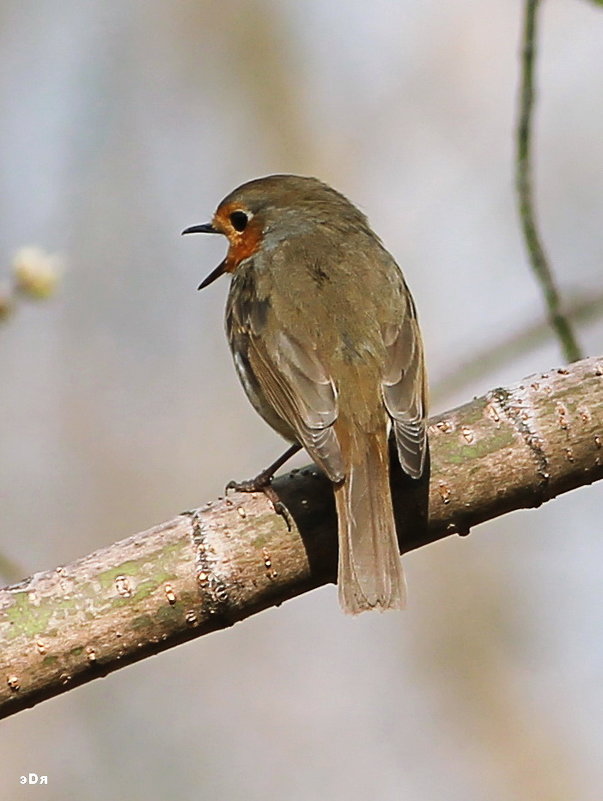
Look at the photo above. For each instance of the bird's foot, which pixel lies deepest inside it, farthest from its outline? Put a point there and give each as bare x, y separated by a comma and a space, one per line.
256, 484
263, 483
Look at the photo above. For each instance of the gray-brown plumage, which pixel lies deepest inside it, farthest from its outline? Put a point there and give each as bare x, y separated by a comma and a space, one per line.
325, 340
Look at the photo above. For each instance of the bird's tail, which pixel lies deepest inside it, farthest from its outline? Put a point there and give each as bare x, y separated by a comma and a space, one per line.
370, 574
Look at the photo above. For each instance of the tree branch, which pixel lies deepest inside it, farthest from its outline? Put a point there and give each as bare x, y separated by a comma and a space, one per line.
523, 177
513, 448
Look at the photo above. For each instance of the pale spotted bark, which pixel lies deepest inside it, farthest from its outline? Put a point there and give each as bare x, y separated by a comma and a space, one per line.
513, 448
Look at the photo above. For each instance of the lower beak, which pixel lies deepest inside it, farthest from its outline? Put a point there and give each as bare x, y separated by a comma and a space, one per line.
220, 269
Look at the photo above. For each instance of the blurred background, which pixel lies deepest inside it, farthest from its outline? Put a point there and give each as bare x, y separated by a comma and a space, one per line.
122, 123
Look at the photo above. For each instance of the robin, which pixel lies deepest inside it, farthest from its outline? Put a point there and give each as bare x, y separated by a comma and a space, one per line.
326, 343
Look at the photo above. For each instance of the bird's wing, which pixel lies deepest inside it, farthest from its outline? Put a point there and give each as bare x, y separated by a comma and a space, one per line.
404, 390
299, 389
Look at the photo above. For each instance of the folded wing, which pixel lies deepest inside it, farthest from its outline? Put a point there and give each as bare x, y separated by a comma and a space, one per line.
296, 384
404, 390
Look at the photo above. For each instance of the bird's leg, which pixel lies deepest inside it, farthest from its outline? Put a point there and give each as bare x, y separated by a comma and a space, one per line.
263, 479
262, 483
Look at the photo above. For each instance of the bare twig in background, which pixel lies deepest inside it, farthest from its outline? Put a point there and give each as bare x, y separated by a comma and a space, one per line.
513, 448
34, 274
538, 258
582, 309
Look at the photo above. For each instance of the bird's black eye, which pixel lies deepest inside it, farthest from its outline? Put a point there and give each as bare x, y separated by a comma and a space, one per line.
239, 220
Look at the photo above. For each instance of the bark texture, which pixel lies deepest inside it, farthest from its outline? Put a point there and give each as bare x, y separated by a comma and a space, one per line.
514, 448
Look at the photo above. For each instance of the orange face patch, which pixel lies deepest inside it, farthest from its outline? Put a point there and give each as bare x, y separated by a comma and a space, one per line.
242, 244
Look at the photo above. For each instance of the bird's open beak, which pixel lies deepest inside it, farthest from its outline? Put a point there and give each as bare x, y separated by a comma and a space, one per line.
207, 228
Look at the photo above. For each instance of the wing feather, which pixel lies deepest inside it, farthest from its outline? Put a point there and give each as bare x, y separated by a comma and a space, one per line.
296, 384
404, 390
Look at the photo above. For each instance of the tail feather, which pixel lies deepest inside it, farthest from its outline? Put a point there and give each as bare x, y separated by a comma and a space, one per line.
370, 574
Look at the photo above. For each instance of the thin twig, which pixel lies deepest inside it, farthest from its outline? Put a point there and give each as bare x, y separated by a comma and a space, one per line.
538, 259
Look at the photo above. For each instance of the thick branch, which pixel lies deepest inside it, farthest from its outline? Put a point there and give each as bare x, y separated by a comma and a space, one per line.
514, 448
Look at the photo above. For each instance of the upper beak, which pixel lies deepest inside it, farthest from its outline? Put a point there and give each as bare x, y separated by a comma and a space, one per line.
205, 228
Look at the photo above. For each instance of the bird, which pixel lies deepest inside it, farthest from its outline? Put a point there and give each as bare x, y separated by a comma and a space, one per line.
326, 343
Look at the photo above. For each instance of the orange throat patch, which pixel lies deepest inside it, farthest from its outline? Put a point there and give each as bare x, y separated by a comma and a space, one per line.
242, 244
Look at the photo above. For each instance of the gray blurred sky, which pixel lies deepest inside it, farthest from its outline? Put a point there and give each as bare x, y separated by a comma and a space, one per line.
124, 122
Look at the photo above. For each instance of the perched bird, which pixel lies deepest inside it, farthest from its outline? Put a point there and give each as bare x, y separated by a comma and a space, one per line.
325, 340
